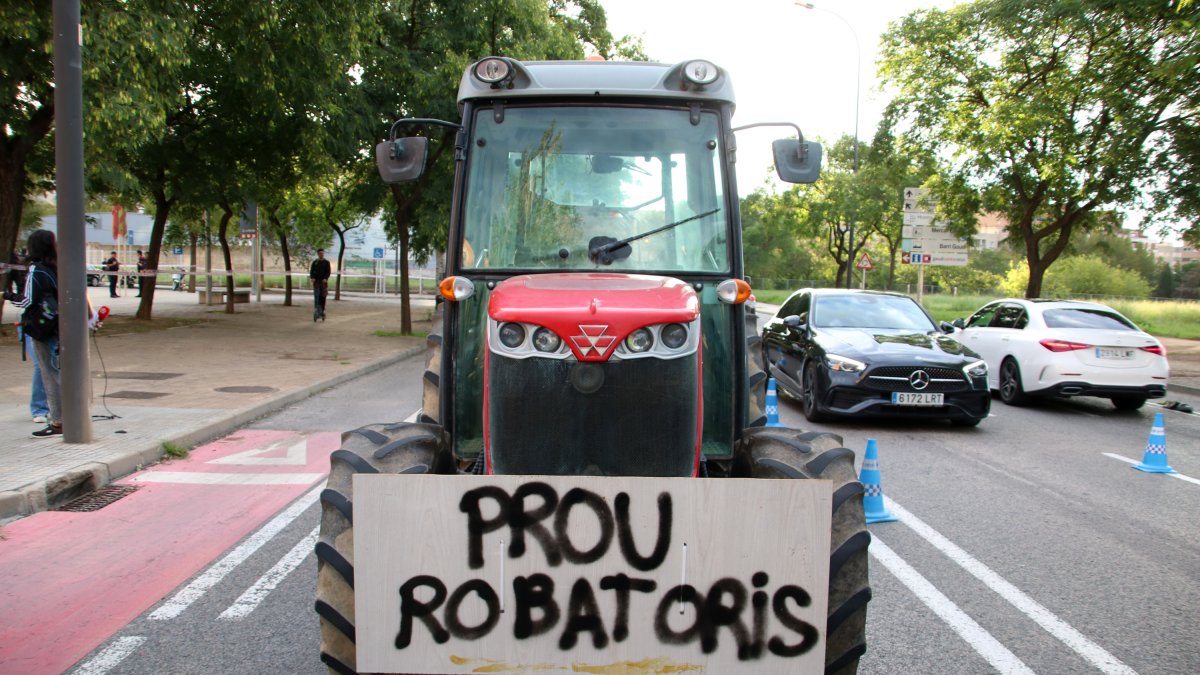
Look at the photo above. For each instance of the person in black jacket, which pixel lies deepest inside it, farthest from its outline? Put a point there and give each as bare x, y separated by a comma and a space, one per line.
141, 267
41, 291
319, 273
112, 265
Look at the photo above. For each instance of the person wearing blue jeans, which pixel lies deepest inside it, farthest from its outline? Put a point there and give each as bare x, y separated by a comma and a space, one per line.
38, 407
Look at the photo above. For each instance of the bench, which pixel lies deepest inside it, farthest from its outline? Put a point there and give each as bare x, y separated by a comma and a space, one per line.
240, 295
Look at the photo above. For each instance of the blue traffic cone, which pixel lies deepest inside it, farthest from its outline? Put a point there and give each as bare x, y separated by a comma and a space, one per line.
772, 404
1155, 458
873, 506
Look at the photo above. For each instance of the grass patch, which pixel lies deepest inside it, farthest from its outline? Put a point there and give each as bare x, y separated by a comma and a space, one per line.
397, 333
174, 450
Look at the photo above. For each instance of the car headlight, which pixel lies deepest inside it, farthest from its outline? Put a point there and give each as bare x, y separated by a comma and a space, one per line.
639, 341
842, 364
977, 369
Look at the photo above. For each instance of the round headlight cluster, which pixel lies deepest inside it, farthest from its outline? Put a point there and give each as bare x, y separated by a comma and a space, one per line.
640, 340
512, 335
674, 335
544, 340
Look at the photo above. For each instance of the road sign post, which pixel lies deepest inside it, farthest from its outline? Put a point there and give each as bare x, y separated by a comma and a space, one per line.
864, 264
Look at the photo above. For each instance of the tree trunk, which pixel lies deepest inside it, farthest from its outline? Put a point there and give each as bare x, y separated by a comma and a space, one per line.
222, 236
287, 260
146, 285
337, 295
192, 277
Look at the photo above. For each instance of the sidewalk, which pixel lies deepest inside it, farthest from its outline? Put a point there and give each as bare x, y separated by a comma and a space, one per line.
195, 374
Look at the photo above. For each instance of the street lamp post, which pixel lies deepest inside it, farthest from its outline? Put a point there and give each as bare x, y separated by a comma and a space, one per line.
857, 88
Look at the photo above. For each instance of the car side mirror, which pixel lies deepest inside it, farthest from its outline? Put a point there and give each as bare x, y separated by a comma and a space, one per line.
796, 321
797, 161
948, 327
401, 160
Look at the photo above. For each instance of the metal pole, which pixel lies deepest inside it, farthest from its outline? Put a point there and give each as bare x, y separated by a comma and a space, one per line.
257, 278
72, 239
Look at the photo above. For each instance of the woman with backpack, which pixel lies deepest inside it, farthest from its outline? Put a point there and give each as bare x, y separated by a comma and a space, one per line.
39, 320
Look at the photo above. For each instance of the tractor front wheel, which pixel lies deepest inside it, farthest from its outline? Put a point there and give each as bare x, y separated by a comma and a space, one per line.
376, 448
779, 452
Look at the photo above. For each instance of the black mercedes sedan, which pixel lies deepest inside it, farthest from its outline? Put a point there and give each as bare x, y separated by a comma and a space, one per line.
846, 352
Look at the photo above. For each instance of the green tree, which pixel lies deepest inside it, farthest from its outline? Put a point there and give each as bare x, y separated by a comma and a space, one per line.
1050, 110
413, 70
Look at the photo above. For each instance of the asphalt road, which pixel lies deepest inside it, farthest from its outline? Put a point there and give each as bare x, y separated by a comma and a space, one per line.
1024, 545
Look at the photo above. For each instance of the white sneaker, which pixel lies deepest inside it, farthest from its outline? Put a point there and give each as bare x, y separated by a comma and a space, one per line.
39, 419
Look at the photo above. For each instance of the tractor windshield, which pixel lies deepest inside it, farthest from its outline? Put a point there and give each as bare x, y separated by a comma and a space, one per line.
590, 187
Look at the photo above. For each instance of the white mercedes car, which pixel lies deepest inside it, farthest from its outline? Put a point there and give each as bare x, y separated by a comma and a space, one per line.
1065, 348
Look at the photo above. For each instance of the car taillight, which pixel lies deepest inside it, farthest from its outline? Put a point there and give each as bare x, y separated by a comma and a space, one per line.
1156, 349
1063, 345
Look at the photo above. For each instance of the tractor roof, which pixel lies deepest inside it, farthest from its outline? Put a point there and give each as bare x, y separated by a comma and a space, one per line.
597, 79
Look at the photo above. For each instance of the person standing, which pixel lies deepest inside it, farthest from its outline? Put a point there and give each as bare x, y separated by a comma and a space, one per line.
141, 267
112, 265
39, 320
319, 273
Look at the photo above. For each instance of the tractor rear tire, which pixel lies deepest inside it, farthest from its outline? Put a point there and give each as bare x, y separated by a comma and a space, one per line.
779, 452
376, 448
431, 381
756, 375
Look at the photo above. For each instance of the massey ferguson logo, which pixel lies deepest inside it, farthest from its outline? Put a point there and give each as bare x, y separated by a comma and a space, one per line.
592, 337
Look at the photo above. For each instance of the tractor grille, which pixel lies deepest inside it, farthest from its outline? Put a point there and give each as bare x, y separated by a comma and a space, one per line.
896, 378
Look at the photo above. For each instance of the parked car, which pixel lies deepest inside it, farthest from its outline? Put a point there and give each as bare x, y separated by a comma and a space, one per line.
94, 276
845, 352
1065, 348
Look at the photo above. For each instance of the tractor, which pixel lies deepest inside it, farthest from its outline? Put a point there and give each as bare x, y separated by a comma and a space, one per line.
592, 319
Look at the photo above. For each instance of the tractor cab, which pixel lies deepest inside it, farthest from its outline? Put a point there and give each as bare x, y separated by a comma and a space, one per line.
594, 274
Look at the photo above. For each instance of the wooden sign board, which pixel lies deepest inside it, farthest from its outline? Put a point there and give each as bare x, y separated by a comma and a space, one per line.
460, 574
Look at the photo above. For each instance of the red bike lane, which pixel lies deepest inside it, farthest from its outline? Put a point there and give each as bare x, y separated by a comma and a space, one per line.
73, 579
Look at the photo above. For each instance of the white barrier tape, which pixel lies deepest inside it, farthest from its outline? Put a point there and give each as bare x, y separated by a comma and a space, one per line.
215, 273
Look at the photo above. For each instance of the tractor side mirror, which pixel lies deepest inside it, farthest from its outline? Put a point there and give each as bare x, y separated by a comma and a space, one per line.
401, 160
797, 161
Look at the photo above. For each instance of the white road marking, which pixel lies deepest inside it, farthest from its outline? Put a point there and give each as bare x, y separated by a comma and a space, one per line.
258, 592
996, 654
1134, 461
111, 657
214, 574
198, 478
1080, 644
296, 455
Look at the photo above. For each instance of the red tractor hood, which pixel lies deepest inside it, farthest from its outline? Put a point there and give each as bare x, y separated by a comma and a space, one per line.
593, 312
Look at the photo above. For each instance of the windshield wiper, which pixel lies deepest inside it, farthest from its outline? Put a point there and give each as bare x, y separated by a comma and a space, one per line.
602, 249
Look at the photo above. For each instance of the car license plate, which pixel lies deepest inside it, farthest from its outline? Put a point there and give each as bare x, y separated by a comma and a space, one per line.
906, 398
1113, 354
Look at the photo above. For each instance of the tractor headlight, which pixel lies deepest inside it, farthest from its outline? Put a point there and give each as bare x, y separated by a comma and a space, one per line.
842, 364
701, 72
545, 340
674, 335
977, 369
640, 340
493, 70
512, 335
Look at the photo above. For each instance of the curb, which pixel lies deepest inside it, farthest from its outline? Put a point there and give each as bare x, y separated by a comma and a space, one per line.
58, 489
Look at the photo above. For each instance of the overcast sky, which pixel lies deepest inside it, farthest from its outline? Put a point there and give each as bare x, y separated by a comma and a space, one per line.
788, 63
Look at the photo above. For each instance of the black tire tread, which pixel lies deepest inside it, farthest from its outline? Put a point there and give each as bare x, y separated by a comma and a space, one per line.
431, 382
760, 454
376, 448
